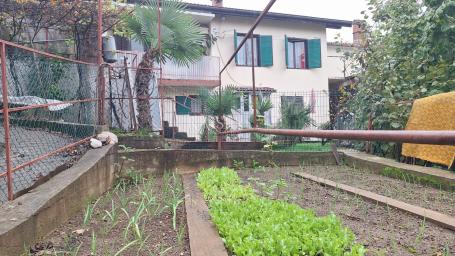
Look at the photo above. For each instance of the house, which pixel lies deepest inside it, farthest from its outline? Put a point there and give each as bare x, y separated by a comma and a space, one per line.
293, 63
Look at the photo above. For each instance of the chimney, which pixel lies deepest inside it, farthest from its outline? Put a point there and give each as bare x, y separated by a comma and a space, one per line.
217, 3
358, 32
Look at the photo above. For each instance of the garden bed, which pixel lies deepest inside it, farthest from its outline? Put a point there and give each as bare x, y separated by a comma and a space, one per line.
139, 216
382, 230
251, 224
407, 188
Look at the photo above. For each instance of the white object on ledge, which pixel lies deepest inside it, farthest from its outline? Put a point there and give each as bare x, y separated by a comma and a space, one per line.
94, 143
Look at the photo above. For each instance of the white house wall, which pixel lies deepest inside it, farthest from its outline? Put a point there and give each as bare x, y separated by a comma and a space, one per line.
277, 76
336, 67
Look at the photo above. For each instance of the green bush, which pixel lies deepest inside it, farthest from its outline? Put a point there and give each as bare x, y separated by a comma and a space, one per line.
253, 225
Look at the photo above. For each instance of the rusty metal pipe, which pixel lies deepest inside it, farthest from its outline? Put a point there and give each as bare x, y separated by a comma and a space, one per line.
101, 78
34, 106
5, 113
53, 56
414, 136
49, 154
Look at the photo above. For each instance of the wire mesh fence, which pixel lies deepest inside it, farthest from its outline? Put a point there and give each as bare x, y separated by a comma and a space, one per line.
49, 111
182, 112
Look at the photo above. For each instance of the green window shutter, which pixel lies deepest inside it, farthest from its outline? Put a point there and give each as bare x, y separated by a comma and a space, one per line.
286, 46
266, 51
235, 46
314, 53
182, 105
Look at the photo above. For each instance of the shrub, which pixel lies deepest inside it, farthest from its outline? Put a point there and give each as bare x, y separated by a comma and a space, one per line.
253, 225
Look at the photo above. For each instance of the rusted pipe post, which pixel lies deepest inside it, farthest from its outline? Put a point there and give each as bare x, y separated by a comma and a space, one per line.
160, 89
6, 127
219, 139
255, 122
101, 79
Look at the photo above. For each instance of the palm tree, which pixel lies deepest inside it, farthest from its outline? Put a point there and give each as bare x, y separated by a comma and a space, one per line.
219, 106
295, 116
182, 41
263, 105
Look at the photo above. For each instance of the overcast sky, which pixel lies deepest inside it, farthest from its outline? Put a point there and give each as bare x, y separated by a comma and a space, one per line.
334, 9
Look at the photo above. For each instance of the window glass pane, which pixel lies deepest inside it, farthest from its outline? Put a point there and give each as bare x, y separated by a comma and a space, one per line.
196, 104
291, 58
247, 47
241, 55
246, 102
182, 105
300, 54
244, 55
237, 102
256, 51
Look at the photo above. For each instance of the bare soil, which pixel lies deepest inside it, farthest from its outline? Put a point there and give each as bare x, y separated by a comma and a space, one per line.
413, 193
156, 223
382, 230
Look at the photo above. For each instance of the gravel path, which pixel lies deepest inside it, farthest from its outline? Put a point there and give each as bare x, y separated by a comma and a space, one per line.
28, 144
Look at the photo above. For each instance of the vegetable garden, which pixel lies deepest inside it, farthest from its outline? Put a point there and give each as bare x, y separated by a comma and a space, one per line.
261, 210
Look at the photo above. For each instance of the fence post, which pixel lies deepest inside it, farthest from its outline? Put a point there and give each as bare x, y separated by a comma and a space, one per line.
6, 123
101, 79
101, 95
219, 139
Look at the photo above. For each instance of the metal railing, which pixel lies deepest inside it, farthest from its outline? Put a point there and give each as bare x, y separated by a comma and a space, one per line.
50, 106
205, 69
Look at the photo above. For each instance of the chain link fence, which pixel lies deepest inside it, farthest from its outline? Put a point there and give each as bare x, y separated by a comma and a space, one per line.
49, 112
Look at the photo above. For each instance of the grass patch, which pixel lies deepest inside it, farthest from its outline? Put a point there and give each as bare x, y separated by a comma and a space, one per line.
303, 147
412, 178
254, 225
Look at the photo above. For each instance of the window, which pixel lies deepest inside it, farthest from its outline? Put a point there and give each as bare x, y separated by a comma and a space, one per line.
246, 102
244, 56
263, 50
243, 102
196, 105
297, 54
303, 53
188, 105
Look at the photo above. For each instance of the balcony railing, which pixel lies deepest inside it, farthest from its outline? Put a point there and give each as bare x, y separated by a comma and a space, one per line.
205, 71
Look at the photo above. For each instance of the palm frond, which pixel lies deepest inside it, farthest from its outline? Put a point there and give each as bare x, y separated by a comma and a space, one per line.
182, 39
216, 105
264, 105
295, 116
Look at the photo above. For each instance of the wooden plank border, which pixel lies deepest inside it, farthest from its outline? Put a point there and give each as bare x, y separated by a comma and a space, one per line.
204, 237
423, 213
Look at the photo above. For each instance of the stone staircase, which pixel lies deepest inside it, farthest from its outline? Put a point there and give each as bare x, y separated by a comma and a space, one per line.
172, 132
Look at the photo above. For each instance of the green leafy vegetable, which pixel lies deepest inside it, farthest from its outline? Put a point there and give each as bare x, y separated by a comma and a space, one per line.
253, 225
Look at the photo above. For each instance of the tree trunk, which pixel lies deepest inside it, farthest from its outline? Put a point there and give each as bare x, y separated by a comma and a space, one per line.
221, 125
141, 84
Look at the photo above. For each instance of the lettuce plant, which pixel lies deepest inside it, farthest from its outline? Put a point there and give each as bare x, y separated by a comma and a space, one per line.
253, 225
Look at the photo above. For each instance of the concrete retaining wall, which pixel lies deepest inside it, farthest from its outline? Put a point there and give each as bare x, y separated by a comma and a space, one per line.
142, 142
35, 214
188, 161
214, 145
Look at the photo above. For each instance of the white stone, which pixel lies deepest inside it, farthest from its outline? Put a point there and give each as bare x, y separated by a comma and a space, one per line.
94, 143
103, 137
107, 137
